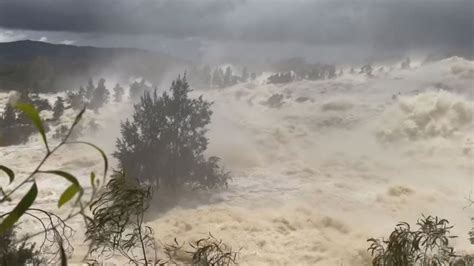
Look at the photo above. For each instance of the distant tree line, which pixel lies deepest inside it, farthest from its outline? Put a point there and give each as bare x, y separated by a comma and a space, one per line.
204, 77
281, 78
16, 128
93, 97
297, 68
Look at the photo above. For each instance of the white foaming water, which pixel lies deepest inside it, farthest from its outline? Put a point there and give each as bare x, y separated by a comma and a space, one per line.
338, 162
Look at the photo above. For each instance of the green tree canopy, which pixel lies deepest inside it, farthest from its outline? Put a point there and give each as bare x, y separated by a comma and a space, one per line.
164, 142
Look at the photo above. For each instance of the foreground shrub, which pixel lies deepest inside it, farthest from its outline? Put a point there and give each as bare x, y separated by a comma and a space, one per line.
205, 251
117, 225
428, 245
118, 228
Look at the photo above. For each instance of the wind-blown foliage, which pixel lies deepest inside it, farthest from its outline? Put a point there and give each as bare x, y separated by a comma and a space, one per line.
117, 225
427, 245
205, 251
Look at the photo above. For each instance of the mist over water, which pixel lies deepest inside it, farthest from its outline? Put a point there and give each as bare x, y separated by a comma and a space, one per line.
335, 162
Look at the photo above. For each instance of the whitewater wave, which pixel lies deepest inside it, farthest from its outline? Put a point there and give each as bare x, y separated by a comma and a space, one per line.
427, 115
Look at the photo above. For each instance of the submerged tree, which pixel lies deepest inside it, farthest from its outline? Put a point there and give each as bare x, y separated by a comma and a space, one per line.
406, 63
100, 96
367, 69
38, 102
206, 75
118, 93
89, 93
58, 108
245, 75
77, 100
25, 97
9, 116
218, 78
137, 89
228, 77
253, 76
164, 143
15, 127
82, 91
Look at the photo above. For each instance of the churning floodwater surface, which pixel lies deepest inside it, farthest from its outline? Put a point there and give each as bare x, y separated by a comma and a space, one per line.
332, 163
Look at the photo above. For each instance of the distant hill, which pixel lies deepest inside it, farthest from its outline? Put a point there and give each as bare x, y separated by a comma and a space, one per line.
46, 67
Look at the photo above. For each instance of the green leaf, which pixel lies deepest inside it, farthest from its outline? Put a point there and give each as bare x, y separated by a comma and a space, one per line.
33, 114
68, 194
104, 157
66, 175
9, 172
20, 209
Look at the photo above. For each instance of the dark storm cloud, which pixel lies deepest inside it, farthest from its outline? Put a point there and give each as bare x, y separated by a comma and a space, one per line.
373, 23
174, 18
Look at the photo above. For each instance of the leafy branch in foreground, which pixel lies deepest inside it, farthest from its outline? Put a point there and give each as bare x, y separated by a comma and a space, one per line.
54, 226
427, 245
205, 251
55, 232
118, 226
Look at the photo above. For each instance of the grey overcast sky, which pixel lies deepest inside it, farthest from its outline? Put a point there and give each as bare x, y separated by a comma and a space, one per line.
255, 28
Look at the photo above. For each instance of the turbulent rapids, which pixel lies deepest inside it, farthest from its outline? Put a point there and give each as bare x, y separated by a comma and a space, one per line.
327, 165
